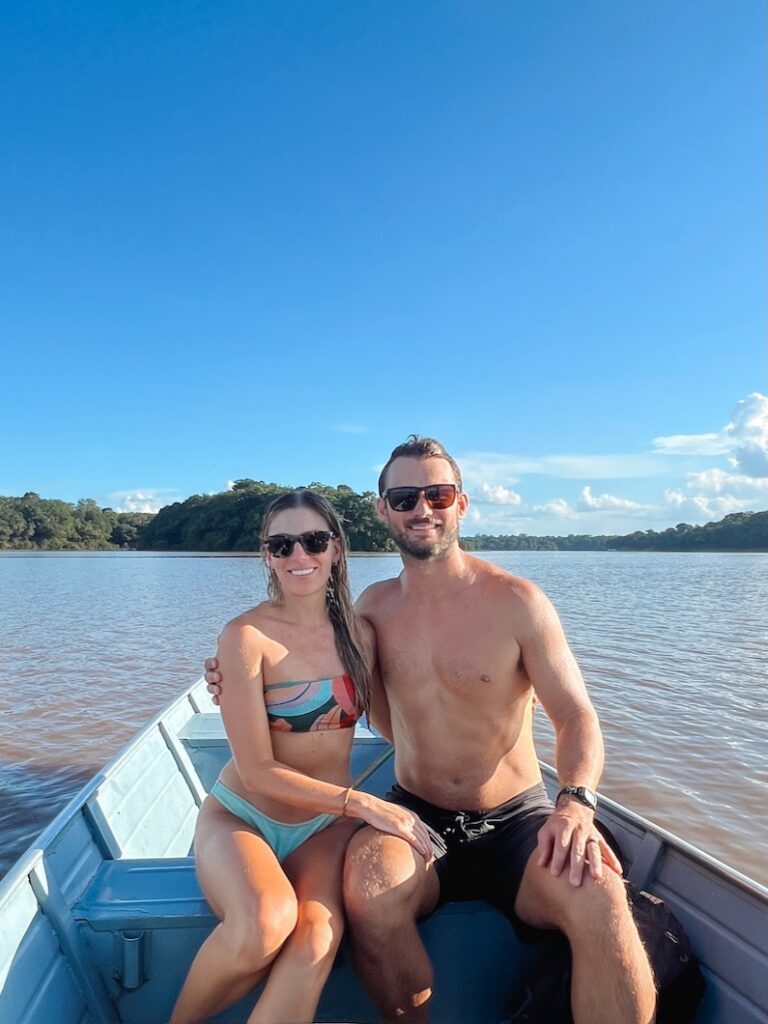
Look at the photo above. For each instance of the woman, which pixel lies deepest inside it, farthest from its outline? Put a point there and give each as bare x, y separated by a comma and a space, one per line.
271, 836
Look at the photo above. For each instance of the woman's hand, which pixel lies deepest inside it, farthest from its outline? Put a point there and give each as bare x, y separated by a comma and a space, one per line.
213, 679
392, 819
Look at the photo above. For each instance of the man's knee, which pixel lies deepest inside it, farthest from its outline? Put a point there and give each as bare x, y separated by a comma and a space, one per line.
382, 878
601, 906
551, 901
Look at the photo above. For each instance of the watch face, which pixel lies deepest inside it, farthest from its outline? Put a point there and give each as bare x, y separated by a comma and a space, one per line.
583, 794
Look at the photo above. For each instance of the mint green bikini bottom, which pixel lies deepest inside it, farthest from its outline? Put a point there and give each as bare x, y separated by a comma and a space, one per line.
282, 837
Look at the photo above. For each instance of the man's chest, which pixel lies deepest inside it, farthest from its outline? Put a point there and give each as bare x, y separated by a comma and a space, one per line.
458, 651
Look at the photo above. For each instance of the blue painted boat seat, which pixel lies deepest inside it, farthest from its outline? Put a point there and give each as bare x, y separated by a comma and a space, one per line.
129, 894
144, 920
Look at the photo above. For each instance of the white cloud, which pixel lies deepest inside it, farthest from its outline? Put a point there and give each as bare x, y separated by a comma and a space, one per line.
716, 481
589, 502
744, 438
701, 507
499, 495
558, 507
715, 492
738, 483
749, 430
145, 500
690, 444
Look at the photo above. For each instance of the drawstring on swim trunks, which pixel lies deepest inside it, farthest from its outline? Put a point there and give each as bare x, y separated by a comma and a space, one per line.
467, 828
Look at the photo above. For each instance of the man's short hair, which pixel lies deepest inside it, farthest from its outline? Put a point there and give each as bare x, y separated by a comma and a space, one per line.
417, 447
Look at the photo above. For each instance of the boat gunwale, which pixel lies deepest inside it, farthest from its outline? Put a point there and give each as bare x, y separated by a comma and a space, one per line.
694, 853
32, 855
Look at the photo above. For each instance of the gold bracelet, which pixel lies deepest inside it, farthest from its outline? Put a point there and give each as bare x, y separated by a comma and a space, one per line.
347, 795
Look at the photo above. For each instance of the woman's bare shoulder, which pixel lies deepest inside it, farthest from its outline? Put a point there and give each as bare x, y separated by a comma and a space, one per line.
248, 630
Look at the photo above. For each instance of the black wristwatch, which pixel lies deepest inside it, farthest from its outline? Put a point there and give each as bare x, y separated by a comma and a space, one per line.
585, 796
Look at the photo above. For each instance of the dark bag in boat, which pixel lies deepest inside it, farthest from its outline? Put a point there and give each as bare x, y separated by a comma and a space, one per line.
545, 995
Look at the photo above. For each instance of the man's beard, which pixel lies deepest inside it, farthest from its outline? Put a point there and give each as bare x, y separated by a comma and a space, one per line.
424, 548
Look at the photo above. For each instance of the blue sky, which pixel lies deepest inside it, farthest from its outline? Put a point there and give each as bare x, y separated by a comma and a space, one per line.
271, 240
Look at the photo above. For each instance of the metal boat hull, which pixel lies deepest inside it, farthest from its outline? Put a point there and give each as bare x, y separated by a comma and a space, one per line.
100, 919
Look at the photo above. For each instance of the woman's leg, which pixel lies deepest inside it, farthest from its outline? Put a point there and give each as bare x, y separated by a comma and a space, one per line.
299, 973
248, 890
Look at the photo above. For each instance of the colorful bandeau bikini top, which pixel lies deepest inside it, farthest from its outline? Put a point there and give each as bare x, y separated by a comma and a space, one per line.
313, 705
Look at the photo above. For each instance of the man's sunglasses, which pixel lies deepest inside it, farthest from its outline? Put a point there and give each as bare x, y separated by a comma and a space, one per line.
405, 499
314, 542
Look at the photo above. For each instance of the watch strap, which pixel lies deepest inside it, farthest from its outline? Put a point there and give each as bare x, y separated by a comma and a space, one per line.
581, 793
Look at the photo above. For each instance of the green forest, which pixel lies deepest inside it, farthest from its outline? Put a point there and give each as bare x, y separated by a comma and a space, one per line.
740, 531
32, 523
230, 521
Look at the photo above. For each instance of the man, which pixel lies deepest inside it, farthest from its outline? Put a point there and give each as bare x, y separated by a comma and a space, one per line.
464, 649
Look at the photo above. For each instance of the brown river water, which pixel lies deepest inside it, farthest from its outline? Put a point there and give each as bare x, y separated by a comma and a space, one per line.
673, 648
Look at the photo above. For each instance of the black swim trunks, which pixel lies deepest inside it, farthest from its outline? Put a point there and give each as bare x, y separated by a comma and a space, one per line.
483, 854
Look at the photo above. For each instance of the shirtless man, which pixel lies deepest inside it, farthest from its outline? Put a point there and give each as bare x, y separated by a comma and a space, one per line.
464, 648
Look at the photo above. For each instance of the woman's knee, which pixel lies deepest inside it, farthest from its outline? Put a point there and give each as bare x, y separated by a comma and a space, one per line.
318, 934
258, 929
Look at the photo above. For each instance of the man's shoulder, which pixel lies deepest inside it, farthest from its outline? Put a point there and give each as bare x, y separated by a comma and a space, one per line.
504, 585
375, 595
513, 598
367, 632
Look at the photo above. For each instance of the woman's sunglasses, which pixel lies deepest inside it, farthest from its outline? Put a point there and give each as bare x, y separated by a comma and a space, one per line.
314, 542
405, 499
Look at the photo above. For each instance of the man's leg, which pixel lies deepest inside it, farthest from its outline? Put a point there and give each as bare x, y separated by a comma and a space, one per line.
612, 978
387, 888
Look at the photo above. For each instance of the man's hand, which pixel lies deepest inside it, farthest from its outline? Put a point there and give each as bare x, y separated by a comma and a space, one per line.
570, 837
213, 678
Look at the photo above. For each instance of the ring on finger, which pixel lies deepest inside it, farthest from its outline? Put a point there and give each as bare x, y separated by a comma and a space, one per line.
593, 840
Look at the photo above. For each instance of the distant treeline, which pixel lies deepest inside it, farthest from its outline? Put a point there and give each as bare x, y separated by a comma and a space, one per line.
527, 542
44, 524
231, 520
740, 531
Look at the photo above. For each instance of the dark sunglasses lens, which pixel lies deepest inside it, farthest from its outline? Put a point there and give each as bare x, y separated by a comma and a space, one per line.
403, 499
315, 542
441, 495
280, 547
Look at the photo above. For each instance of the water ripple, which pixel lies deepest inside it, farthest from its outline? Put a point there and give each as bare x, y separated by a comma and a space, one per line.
673, 649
